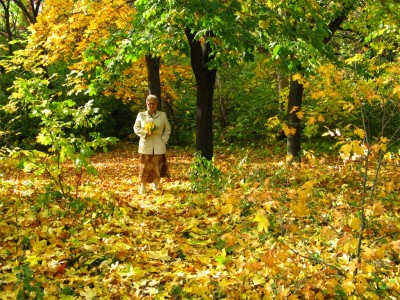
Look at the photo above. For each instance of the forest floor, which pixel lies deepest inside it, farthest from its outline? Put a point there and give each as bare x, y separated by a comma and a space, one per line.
252, 226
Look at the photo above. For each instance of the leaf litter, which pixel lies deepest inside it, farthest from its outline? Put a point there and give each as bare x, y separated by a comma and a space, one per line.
271, 230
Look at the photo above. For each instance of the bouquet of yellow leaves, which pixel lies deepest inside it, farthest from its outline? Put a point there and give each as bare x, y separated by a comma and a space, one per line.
150, 128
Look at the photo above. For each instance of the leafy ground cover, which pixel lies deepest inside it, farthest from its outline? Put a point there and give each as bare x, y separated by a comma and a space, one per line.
248, 226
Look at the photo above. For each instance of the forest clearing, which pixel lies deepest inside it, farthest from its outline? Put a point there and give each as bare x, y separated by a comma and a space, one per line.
280, 121
258, 228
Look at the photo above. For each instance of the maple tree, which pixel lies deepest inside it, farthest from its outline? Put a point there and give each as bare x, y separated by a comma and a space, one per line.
208, 28
305, 29
16, 16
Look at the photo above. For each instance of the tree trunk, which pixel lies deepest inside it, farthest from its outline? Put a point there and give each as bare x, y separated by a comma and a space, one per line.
153, 78
296, 91
205, 81
294, 106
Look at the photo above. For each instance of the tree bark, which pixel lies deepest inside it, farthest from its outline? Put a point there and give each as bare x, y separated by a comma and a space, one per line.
153, 78
294, 106
205, 81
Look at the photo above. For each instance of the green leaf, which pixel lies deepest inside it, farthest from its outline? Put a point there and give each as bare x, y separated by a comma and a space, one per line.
43, 139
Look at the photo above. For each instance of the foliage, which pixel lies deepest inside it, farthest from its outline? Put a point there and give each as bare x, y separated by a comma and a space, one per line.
245, 102
102, 59
288, 236
205, 177
61, 132
219, 23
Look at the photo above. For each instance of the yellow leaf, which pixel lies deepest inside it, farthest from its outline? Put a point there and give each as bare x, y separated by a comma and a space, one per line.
300, 209
273, 122
159, 255
345, 151
361, 286
388, 157
294, 109
360, 132
262, 221
132, 271
355, 223
9, 278
357, 148
296, 77
378, 208
288, 130
321, 118
367, 253
33, 260
396, 90
258, 279
88, 293
300, 79
311, 121
395, 246
42, 139
39, 246
300, 114
306, 188
331, 285
227, 209
384, 139
327, 234
348, 286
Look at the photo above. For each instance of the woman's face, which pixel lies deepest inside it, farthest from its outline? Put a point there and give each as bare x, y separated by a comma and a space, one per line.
151, 106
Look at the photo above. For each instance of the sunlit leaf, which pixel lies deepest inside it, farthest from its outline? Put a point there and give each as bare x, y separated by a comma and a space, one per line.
262, 221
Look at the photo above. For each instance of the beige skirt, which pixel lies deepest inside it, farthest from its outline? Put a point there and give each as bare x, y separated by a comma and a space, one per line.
153, 167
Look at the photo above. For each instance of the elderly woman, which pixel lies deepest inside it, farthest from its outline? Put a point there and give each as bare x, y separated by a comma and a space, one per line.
153, 128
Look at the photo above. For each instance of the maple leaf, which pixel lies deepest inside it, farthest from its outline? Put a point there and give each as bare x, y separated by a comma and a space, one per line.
360, 132
88, 293
222, 259
39, 247
298, 77
159, 255
132, 271
288, 130
300, 114
33, 260
9, 278
43, 139
227, 209
262, 221
345, 151
300, 209
294, 109
258, 279
311, 120
348, 286
396, 246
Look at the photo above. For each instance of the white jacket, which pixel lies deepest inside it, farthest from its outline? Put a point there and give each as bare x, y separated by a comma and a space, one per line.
156, 142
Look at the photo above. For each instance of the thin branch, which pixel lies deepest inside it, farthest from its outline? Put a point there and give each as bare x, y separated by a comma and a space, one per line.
317, 260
